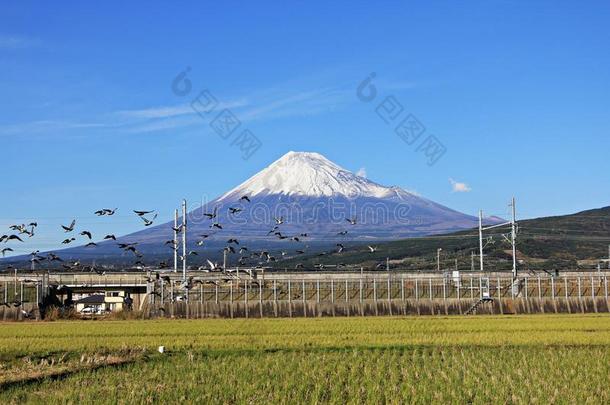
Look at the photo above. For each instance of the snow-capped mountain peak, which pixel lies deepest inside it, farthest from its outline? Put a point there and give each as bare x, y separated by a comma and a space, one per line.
308, 174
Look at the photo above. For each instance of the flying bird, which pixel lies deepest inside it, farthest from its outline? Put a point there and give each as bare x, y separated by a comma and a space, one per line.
142, 213
70, 227
87, 234
245, 197
352, 221
108, 237
279, 220
6, 250
213, 214
342, 233
13, 237
148, 222
67, 241
234, 210
91, 244
341, 247
373, 249
126, 245
213, 266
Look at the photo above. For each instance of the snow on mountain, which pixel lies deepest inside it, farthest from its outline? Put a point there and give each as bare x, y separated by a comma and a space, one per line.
308, 174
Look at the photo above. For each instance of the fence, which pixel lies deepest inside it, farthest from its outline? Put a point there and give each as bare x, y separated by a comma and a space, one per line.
337, 289
338, 295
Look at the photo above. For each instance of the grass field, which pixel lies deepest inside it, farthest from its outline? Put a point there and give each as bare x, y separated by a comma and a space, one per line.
521, 359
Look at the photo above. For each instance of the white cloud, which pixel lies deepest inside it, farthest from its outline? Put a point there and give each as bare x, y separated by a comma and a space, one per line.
361, 172
459, 187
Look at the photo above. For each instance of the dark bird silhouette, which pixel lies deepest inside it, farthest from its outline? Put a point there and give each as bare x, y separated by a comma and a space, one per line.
142, 213
91, 244
233, 241
342, 233
107, 211
245, 197
70, 227
126, 245
234, 210
5, 250
352, 221
341, 248
213, 214
52, 257
13, 237
87, 234
216, 225
110, 237
67, 241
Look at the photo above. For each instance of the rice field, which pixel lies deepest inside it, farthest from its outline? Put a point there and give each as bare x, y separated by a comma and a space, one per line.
518, 359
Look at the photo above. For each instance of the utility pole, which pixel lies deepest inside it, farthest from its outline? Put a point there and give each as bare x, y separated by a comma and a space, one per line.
175, 241
184, 240
224, 260
472, 261
481, 239
512, 240
387, 264
513, 223
438, 260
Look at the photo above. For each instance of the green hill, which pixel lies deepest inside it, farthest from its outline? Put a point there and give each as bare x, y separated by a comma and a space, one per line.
570, 241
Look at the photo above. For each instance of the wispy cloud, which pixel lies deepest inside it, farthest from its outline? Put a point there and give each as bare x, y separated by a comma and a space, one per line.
173, 111
266, 104
17, 42
458, 187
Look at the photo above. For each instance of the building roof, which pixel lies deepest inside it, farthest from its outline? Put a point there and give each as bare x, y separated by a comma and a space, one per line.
92, 299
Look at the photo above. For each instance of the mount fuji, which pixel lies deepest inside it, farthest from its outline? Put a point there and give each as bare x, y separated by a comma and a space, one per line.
301, 193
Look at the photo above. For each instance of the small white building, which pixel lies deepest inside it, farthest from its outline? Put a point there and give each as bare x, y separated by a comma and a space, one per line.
110, 301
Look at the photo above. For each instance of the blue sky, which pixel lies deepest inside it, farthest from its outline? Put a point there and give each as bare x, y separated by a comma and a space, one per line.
517, 92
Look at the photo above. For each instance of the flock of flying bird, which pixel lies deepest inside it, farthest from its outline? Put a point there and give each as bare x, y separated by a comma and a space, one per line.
233, 246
